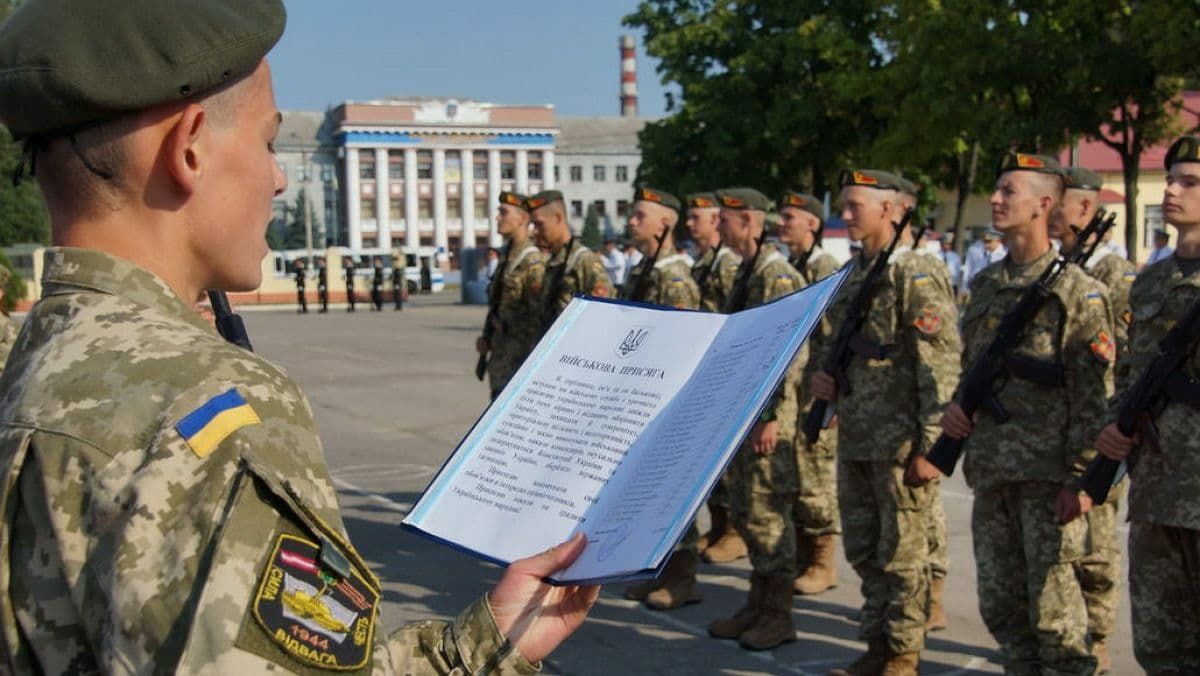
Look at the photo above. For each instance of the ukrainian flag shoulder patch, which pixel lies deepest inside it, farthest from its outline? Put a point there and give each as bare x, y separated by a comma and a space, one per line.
205, 428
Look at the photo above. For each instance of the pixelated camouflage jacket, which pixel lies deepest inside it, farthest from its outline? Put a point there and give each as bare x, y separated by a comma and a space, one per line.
670, 284
1049, 436
518, 321
715, 272
1116, 273
136, 539
898, 393
1164, 485
796, 399
583, 273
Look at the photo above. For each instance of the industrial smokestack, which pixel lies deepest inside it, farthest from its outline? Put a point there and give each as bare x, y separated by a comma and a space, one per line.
628, 77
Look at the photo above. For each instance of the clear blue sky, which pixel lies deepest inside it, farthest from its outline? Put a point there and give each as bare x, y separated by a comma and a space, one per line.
562, 52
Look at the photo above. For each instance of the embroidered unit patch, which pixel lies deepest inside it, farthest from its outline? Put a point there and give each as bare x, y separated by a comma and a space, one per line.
1103, 347
929, 321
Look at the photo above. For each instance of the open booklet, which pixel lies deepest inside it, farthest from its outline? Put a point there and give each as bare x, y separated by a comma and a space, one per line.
618, 424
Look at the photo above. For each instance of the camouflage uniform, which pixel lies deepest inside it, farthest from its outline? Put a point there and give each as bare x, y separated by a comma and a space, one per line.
574, 269
518, 321
1029, 595
143, 534
890, 413
1164, 494
715, 272
1099, 570
8, 336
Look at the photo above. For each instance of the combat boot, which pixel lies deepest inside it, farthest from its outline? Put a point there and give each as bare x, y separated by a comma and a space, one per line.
719, 524
902, 664
1100, 652
729, 547
732, 627
821, 574
870, 663
638, 591
773, 625
678, 586
937, 612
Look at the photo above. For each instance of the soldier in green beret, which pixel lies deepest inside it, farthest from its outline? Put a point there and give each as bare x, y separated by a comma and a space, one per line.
572, 268
166, 504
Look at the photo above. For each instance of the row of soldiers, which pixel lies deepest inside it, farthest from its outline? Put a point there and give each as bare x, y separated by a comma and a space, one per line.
1048, 559
399, 288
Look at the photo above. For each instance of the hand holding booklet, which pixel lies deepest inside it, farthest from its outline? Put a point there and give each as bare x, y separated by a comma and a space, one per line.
618, 425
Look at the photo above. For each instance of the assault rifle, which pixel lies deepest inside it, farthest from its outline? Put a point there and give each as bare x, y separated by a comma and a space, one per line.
489, 328
976, 390
638, 292
848, 333
229, 325
1145, 399
740, 293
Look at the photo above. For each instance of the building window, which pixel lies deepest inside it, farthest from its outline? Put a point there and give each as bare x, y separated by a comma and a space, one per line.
534, 163
576, 209
366, 165
622, 173
395, 208
622, 207
598, 173
481, 165
396, 165
302, 172
424, 208
599, 204
453, 167
453, 208
576, 173
556, 176
508, 165
327, 172
480, 210
367, 209
424, 164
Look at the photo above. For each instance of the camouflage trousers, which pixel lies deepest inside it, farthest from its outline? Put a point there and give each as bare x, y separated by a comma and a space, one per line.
1164, 585
1029, 595
690, 542
719, 497
816, 509
1099, 570
884, 524
935, 532
761, 508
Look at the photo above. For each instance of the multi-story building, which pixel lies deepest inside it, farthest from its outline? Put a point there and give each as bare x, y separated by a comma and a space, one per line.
307, 154
598, 160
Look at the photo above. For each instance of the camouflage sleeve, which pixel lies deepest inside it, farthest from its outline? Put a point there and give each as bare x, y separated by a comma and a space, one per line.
727, 273
824, 266
929, 318
678, 292
1118, 275
593, 278
1088, 355
470, 644
778, 284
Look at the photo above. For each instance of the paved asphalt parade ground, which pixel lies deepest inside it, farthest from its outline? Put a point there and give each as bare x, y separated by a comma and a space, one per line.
394, 392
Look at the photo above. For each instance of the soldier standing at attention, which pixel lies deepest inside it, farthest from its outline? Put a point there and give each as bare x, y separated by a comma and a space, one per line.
715, 271
1164, 493
398, 282
301, 283
668, 281
764, 469
905, 368
1025, 520
323, 285
516, 323
572, 268
348, 272
815, 513
1100, 568
376, 284
150, 515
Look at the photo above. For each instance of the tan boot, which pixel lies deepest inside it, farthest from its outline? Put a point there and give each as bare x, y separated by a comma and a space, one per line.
773, 626
638, 591
1100, 652
870, 663
732, 627
937, 612
678, 583
902, 664
729, 547
720, 524
822, 570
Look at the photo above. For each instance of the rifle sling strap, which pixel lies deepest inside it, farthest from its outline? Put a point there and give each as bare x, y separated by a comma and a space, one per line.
1037, 371
1183, 389
865, 347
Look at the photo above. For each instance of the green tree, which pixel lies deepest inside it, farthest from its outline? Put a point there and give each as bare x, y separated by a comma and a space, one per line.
590, 236
14, 290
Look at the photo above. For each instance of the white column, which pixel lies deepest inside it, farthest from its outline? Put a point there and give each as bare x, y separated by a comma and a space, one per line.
466, 198
353, 199
548, 169
522, 171
412, 233
440, 237
383, 198
493, 196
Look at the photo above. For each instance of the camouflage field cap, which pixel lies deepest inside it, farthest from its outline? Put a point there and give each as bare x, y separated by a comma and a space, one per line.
703, 200
1042, 164
67, 64
743, 198
542, 199
800, 200
1078, 178
869, 178
1184, 149
513, 199
657, 196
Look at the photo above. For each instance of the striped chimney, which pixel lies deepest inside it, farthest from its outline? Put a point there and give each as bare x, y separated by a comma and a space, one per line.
628, 77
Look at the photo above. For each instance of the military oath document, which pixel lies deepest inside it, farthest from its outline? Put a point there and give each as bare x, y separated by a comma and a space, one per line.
618, 424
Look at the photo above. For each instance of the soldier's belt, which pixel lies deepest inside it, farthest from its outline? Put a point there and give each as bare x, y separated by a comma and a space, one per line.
865, 347
1037, 371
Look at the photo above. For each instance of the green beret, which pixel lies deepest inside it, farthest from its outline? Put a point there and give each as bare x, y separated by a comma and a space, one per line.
1184, 149
743, 198
657, 196
66, 64
870, 178
513, 199
1078, 178
1042, 164
907, 187
703, 200
542, 199
804, 201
